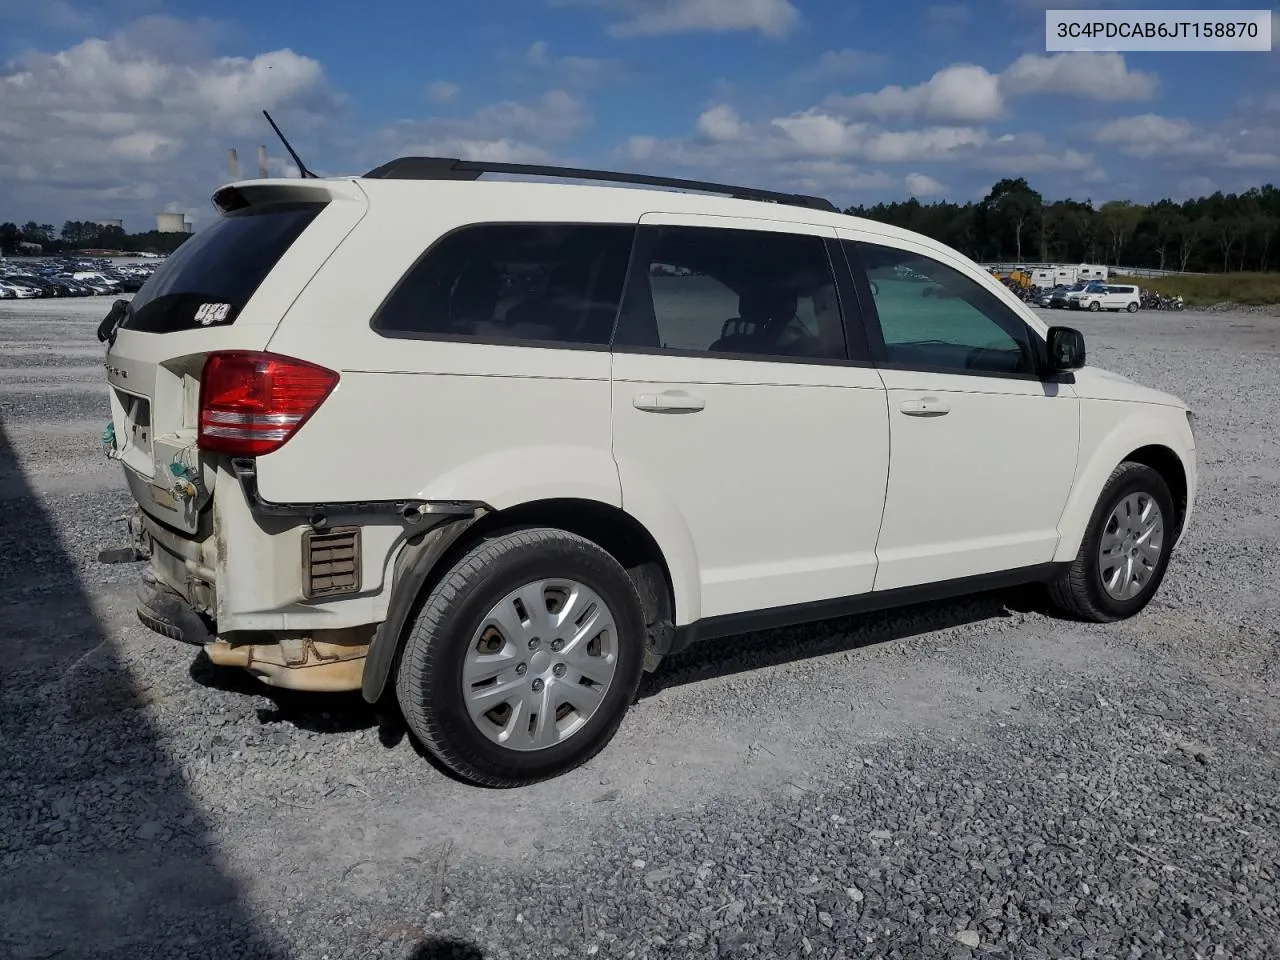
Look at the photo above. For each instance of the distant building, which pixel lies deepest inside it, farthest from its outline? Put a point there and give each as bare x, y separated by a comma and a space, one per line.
172, 223
107, 224
25, 246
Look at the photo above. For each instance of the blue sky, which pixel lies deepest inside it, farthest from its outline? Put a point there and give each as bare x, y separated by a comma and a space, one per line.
124, 108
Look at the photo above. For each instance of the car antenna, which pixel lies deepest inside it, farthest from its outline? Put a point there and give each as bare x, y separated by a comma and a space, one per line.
302, 167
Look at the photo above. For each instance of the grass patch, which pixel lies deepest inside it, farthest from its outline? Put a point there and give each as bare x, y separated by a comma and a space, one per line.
1254, 289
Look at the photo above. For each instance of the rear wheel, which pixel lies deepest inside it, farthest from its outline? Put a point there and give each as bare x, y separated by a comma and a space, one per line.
1125, 550
1132, 308
524, 658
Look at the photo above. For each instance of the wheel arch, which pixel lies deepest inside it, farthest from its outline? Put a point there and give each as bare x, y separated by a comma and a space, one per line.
1169, 465
1147, 440
610, 527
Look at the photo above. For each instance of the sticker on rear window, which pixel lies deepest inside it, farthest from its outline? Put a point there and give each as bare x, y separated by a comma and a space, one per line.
208, 313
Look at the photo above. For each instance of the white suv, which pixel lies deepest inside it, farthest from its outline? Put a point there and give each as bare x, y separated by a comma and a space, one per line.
496, 447
1106, 296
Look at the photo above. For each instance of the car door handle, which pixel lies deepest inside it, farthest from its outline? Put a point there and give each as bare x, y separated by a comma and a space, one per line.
926, 407
669, 402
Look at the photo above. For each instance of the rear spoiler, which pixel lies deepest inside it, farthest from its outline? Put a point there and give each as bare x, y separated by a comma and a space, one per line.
253, 193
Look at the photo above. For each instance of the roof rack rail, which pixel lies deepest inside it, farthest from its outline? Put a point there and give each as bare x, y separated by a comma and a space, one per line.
449, 168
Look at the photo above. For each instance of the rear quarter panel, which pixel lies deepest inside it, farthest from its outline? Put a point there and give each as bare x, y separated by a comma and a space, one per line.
436, 419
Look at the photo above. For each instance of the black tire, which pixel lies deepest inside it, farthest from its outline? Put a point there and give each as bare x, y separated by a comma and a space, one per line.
1132, 308
1078, 590
1095, 306
429, 676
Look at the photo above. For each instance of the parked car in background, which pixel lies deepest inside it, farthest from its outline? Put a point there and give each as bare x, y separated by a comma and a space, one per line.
18, 290
1060, 297
1105, 296
72, 277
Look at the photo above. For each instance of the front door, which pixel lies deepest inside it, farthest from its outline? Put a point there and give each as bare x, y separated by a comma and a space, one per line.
983, 451
740, 424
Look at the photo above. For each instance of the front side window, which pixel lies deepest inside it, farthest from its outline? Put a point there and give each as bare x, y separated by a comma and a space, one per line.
933, 317
519, 283
750, 293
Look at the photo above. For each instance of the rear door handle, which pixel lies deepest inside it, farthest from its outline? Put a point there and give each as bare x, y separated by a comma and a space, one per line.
926, 407
669, 402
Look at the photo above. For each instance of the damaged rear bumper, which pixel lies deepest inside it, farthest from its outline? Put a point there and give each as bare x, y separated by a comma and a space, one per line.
329, 661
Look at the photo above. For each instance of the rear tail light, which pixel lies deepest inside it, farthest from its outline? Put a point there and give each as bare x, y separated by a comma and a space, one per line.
252, 403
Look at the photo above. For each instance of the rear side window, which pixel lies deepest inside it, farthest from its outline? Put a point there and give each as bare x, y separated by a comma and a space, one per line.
533, 283
749, 293
208, 280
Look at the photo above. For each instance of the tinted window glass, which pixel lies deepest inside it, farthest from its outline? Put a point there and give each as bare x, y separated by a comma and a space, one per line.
551, 283
208, 280
749, 292
933, 316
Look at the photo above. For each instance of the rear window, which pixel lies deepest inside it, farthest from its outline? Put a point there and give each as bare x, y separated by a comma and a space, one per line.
531, 283
208, 280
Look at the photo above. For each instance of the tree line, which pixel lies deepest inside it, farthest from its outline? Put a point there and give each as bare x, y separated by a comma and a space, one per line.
85, 235
1221, 233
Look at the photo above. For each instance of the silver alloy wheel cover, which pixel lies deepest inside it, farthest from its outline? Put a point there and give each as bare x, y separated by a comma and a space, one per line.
1130, 547
540, 664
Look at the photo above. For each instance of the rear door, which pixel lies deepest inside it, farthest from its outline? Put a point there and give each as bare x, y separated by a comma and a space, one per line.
747, 420
226, 288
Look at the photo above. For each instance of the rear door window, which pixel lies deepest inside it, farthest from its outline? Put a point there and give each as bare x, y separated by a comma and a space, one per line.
208, 280
753, 294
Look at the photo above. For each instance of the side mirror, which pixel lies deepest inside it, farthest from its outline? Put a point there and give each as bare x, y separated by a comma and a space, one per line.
1066, 349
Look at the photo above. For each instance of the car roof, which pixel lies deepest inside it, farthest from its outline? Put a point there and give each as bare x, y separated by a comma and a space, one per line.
529, 199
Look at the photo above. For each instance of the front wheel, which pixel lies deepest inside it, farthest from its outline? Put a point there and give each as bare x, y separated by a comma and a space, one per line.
1095, 306
1125, 550
1132, 308
524, 658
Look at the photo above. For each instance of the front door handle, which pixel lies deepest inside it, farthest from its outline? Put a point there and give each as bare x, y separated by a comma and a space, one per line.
926, 407
669, 402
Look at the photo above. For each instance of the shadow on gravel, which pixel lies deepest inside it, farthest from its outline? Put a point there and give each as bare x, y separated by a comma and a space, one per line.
313, 712
436, 948
102, 851
751, 651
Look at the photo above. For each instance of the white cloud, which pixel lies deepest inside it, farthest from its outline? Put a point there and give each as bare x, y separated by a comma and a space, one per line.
507, 132
109, 126
571, 71
1018, 163
1103, 77
923, 185
442, 91
934, 143
556, 115
838, 64
818, 134
651, 18
963, 92
968, 93
1177, 141
1145, 129
722, 124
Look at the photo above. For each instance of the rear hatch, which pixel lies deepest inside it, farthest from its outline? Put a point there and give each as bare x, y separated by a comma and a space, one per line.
224, 289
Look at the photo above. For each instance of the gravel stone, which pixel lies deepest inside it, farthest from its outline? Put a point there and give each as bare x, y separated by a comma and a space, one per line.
966, 779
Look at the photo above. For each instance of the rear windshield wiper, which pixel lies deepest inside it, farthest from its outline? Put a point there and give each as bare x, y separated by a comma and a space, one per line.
119, 312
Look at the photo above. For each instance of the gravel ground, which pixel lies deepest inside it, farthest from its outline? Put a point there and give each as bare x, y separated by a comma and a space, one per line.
970, 779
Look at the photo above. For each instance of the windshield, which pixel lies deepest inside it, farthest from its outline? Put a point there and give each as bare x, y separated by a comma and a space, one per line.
208, 280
